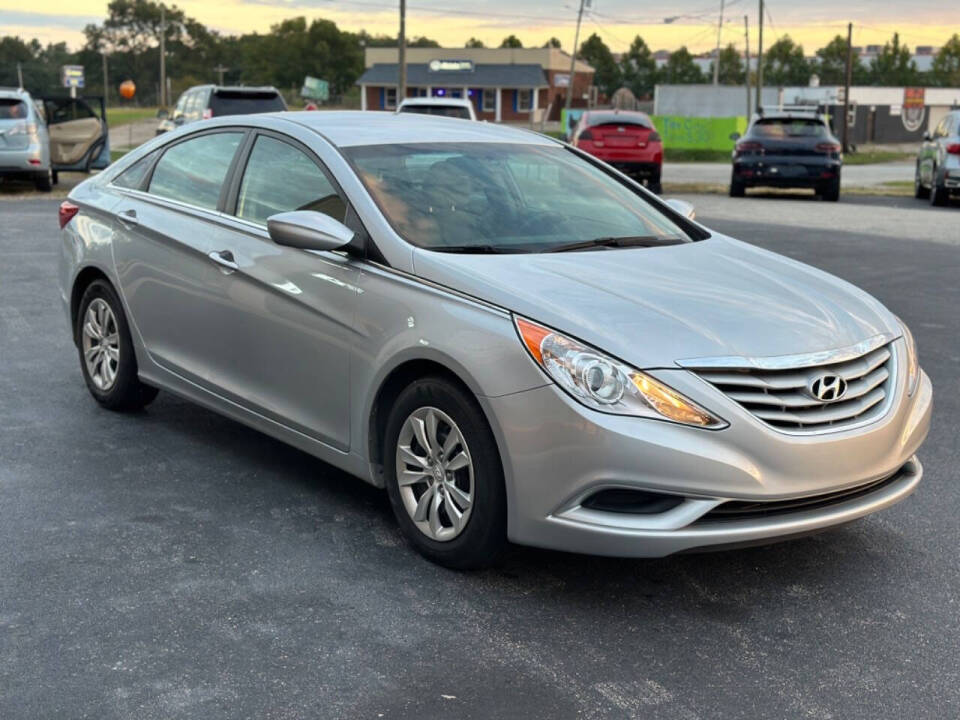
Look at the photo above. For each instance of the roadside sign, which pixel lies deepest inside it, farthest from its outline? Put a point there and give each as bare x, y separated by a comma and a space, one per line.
315, 89
71, 76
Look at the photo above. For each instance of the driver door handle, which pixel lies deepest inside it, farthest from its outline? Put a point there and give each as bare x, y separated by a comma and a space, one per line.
224, 258
129, 218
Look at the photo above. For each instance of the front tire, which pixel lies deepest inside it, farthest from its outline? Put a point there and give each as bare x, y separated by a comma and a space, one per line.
444, 476
107, 358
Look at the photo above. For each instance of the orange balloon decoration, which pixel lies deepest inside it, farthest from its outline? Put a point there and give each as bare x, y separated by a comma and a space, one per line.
127, 89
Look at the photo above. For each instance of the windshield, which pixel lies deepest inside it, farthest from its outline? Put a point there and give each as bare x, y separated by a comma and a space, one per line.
454, 111
774, 128
503, 197
12, 109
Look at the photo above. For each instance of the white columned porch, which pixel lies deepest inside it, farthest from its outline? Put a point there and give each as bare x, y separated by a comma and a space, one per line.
497, 113
363, 97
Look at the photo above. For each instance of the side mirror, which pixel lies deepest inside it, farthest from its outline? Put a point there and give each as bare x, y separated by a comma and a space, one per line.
162, 114
308, 230
682, 207
178, 119
734, 136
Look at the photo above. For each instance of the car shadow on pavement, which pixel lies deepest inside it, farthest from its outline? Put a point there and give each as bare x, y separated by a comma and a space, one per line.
265, 474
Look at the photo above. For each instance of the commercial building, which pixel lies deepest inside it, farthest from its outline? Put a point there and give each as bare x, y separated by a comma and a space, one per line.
504, 84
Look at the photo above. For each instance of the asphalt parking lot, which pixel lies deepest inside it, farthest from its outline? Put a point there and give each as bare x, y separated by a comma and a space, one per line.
174, 564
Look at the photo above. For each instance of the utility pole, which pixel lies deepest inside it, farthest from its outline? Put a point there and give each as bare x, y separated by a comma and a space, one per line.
760, 63
746, 38
573, 61
20, 76
106, 85
220, 70
163, 55
716, 59
846, 84
402, 53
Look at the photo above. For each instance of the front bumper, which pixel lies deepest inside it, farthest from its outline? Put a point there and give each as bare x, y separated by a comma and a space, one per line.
557, 453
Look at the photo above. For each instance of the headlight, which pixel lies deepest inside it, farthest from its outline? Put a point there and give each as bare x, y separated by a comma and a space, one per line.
602, 383
913, 360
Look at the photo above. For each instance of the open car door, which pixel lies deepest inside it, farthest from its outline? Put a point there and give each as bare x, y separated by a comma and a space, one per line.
78, 133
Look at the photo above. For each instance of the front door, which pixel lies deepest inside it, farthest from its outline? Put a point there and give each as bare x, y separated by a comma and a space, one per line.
290, 313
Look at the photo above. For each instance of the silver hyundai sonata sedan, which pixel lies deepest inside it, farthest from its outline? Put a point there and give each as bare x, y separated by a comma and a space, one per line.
515, 340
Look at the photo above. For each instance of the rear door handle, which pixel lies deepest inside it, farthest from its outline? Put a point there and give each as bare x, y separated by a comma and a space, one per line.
129, 217
224, 258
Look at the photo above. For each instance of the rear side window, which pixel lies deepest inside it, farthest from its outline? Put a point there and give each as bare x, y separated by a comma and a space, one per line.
12, 109
280, 178
226, 102
134, 175
193, 171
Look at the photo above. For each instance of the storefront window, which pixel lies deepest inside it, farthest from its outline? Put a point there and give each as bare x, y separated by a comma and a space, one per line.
524, 100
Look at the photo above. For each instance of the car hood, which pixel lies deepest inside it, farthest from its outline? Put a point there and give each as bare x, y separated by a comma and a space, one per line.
654, 306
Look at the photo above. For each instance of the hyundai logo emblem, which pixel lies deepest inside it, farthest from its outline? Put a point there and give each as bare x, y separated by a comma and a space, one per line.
828, 388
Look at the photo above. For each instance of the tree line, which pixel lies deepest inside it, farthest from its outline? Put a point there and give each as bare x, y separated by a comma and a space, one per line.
293, 48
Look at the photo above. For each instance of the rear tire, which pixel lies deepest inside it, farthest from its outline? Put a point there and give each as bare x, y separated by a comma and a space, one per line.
831, 191
107, 358
920, 191
468, 467
44, 182
737, 188
938, 193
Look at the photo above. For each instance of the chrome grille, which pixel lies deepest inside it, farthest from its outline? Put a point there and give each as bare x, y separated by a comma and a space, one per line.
782, 398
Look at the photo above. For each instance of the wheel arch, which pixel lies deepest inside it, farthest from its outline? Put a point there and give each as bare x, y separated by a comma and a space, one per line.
83, 279
392, 382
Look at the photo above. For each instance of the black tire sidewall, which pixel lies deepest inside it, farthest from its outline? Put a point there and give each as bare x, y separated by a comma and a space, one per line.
127, 392
484, 538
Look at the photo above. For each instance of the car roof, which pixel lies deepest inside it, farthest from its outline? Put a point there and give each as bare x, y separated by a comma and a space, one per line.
461, 102
346, 128
10, 92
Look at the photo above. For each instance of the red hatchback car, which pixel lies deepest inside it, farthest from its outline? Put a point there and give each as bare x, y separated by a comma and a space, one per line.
625, 139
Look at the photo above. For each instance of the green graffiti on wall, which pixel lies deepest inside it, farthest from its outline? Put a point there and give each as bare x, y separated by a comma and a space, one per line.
684, 133
697, 133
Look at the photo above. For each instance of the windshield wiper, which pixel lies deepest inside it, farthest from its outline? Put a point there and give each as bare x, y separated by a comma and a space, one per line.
618, 242
474, 249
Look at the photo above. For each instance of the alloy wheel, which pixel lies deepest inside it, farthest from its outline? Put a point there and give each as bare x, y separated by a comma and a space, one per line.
434, 472
101, 344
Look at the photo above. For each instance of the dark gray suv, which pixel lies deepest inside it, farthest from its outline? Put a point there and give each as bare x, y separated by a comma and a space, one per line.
206, 101
938, 164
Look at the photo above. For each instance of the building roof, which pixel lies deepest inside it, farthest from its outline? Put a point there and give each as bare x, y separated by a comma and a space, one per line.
498, 75
348, 128
547, 58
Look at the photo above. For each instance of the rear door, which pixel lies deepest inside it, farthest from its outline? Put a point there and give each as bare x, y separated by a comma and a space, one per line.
78, 133
167, 225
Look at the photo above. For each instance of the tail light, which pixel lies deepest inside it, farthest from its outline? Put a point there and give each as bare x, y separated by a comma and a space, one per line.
585, 135
207, 114
653, 137
828, 147
953, 148
67, 211
749, 147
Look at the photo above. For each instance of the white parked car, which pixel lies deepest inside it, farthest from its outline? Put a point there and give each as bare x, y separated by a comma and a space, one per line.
444, 106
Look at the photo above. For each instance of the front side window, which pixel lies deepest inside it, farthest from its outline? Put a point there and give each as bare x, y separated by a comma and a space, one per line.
193, 171
503, 197
524, 100
279, 178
